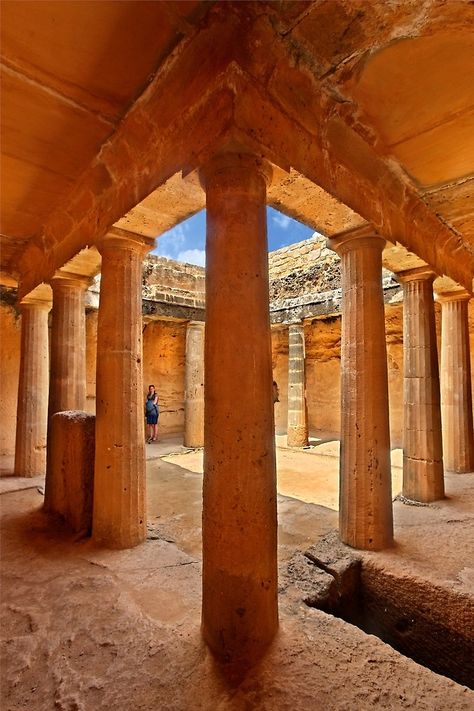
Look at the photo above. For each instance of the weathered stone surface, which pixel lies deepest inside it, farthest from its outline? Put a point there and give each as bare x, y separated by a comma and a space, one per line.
32, 404
119, 518
422, 441
72, 468
240, 610
194, 386
365, 513
456, 384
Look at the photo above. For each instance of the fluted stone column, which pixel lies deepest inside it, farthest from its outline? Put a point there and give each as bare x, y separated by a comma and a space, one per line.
239, 607
365, 499
456, 383
297, 408
67, 382
119, 517
423, 477
194, 386
32, 409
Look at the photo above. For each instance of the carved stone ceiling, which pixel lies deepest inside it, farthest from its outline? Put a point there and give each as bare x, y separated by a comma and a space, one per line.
367, 109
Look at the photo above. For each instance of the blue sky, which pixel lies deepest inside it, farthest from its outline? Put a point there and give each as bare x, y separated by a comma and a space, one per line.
186, 242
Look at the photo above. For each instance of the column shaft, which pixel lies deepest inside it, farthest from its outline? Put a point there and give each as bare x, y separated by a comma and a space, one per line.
32, 409
297, 408
456, 385
194, 386
423, 478
240, 614
365, 501
119, 519
67, 383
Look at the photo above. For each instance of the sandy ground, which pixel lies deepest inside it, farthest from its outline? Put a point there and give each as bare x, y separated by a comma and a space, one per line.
84, 628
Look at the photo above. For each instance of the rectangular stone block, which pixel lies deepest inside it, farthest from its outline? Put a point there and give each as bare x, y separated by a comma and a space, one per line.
73, 434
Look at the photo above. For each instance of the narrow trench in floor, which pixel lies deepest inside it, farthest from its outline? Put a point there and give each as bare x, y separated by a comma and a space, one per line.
430, 624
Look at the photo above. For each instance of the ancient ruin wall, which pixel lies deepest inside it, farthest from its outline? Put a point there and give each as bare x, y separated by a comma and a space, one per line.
9, 372
164, 350
294, 271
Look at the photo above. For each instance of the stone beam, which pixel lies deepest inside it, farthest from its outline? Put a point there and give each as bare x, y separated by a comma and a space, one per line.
159, 136
335, 157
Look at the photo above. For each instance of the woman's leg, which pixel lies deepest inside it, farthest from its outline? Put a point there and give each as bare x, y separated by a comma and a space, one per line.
155, 432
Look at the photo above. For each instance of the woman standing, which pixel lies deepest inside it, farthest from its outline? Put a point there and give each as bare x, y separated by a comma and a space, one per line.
152, 413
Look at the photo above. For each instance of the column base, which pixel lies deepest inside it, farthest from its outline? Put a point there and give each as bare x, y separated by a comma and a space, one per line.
297, 437
423, 480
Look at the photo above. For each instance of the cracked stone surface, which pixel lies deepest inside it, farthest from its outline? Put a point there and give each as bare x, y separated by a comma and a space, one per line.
84, 628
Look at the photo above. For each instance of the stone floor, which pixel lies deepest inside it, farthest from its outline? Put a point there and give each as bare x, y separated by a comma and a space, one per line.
85, 628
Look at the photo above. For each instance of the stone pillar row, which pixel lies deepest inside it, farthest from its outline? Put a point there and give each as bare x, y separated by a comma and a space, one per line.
297, 408
456, 383
423, 478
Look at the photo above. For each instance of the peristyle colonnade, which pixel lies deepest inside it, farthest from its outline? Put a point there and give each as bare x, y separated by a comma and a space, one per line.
239, 608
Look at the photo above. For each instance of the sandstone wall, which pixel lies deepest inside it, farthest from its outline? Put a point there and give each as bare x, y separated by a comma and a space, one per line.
164, 350
9, 372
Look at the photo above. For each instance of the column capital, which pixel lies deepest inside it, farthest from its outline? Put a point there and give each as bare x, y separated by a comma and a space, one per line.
459, 295
63, 278
296, 322
117, 238
359, 237
35, 302
196, 324
222, 165
424, 273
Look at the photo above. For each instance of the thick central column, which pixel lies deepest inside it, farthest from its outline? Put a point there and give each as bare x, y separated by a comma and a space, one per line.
365, 500
239, 614
194, 386
32, 409
423, 478
297, 409
456, 383
67, 383
119, 519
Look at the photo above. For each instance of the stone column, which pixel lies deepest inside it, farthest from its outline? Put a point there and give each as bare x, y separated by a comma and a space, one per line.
365, 499
194, 386
119, 517
297, 409
32, 409
423, 478
240, 612
456, 383
67, 382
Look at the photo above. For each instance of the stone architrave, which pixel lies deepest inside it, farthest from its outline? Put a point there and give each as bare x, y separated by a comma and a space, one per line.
194, 386
297, 407
456, 383
423, 478
32, 409
67, 381
239, 606
119, 516
365, 499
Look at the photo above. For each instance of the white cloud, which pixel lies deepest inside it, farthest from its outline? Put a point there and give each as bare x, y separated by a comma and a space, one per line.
281, 220
169, 243
193, 256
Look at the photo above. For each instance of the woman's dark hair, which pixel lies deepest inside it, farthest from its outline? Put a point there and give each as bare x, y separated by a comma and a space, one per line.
151, 386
